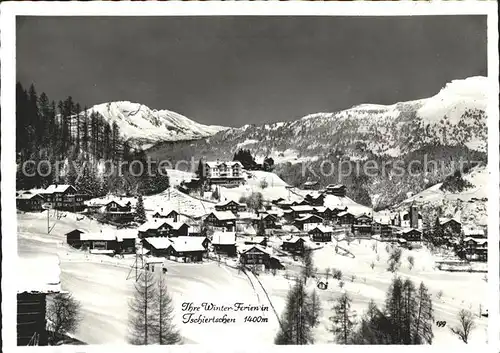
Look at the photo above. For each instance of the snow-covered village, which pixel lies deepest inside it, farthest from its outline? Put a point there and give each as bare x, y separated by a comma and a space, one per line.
143, 226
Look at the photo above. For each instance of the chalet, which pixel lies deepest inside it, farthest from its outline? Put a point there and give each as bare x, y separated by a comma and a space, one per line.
278, 200
345, 218
321, 234
163, 228
293, 244
303, 202
315, 199
29, 202
362, 225
64, 197
476, 248
337, 190
223, 173
73, 238
310, 185
308, 222
473, 232
125, 243
450, 226
117, 212
221, 219
256, 240
99, 243
189, 249
173, 214
410, 234
284, 205
259, 255
224, 243
269, 221
231, 206
300, 210
36, 278
382, 228
157, 246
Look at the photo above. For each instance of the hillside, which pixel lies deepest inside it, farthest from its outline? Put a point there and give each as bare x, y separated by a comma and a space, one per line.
455, 116
144, 126
469, 205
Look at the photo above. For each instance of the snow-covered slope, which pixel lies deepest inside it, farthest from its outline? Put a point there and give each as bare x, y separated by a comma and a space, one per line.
454, 116
146, 126
469, 205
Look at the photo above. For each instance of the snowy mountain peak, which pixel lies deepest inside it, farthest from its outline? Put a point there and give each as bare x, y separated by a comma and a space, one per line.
144, 126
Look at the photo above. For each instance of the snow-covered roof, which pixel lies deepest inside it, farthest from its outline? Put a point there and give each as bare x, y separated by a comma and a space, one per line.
97, 236
159, 242
307, 183
40, 274
305, 217
225, 203
102, 251
337, 186
408, 230
343, 213
57, 188
320, 209
27, 196
290, 228
224, 215
293, 239
302, 208
224, 238
256, 246
214, 164
443, 220
126, 234
478, 241
187, 243
75, 230
247, 215
472, 231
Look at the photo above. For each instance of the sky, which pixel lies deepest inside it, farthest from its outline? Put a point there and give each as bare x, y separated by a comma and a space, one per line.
234, 71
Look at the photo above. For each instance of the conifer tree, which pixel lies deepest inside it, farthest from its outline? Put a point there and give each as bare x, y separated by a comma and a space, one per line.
140, 212
141, 310
164, 329
295, 328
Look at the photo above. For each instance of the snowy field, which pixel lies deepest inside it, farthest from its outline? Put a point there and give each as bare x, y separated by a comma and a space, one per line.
101, 284
458, 290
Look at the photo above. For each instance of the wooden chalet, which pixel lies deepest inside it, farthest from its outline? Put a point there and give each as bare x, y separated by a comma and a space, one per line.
310, 185
64, 197
300, 210
450, 226
29, 202
476, 248
232, 206
269, 221
117, 212
345, 218
315, 200
173, 214
321, 234
188, 249
73, 238
473, 232
221, 219
308, 222
259, 255
125, 243
224, 243
410, 234
384, 229
294, 244
362, 225
337, 190
37, 278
